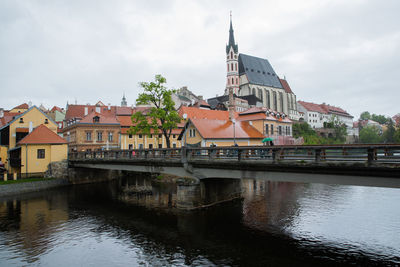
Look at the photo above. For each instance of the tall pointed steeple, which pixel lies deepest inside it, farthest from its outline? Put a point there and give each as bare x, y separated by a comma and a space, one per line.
231, 39
123, 102
232, 64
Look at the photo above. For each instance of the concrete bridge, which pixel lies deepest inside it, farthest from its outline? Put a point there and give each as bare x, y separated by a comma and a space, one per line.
371, 165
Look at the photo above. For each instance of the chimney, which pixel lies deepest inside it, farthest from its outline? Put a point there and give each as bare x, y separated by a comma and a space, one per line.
86, 111
1, 113
231, 105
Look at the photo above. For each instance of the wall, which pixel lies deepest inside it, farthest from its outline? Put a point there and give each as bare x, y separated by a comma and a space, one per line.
35, 165
36, 117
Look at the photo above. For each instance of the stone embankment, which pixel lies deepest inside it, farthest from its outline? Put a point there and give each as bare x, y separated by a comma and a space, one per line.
27, 187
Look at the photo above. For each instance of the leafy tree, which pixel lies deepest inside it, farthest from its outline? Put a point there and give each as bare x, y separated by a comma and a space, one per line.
379, 118
388, 135
301, 129
397, 136
162, 116
365, 116
370, 135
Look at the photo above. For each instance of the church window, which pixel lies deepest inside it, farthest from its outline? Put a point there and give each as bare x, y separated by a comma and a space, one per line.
281, 101
268, 99
231, 54
236, 67
231, 66
275, 101
260, 94
233, 81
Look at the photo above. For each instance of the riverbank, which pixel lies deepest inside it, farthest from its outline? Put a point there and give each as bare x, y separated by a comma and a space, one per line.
21, 187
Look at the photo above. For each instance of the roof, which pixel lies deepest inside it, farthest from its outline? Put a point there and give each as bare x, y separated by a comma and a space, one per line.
257, 113
251, 99
56, 108
7, 117
198, 113
201, 103
103, 119
335, 110
42, 135
14, 118
286, 86
224, 129
312, 107
22, 106
123, 111
231, 40
258, 71
78, 111
125, 120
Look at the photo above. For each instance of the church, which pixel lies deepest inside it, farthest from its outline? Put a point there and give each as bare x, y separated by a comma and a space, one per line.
249, 75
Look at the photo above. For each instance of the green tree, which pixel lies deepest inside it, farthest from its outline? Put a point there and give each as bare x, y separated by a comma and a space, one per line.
379, 118
397, 136
301, 129
388, 135
370, 135
365, 116
162, 116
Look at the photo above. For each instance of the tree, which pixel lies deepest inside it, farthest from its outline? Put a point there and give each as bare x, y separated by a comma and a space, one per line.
162, 116
365, 116
379, 118
388, 135
397, 136
370, 135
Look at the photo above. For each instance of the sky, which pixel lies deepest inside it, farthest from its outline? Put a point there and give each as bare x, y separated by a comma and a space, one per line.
344, 53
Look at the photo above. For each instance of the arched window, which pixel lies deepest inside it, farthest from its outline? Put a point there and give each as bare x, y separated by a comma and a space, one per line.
253, 91
268, 102
281, 101
237, 81
231, 54
231, 66
233, 81
275, 101
260, 96
235, 67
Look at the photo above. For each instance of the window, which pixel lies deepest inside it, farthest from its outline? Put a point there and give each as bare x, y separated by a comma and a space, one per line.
268, 100
41, 154
281, 101
88, 136
266, 129
140, 136
99, 136
231, 66
192, 132
260, 96
110, 137
130, 147
280, 130
173, 136
236, 67
173, 145
140, 146
160, 136
21, 120
275, 101
96, 119
272, 129
151, 136
46, 121
233, 81
130, 136
159, 145
231, 54
150, 146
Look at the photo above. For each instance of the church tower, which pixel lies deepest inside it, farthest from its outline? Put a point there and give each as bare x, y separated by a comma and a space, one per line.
123, 102
232, 63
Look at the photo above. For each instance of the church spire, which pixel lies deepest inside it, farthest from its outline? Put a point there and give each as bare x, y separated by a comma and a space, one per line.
123, 102
231, 39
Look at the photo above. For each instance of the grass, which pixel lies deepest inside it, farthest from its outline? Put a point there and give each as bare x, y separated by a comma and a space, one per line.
24, 180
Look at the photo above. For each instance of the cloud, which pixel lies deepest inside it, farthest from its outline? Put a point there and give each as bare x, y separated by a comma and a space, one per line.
338, 52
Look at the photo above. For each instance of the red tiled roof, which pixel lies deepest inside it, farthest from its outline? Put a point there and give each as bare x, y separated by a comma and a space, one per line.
103, 119
42, 135
336, 110
56, 108
123, 111
198, 113
22, 106
78, 111
125, 120
286, 86
224, 129
7, 117
312, 107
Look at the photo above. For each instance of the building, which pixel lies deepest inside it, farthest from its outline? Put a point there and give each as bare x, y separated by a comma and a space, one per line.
317, 115
20, 126
95, 131
249, 75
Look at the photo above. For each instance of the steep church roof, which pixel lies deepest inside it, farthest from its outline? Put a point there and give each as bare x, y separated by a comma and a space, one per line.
231, 40
258, 71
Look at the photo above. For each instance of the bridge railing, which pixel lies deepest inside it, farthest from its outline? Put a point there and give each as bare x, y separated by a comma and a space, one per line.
379, 153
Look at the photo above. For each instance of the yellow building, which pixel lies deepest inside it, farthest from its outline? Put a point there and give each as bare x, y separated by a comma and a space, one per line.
16, 155
205, 132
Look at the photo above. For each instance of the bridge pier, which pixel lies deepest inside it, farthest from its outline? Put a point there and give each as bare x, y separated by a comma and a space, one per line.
207, 192
84, 176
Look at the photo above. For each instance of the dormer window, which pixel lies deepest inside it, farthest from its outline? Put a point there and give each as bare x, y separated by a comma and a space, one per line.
96, 119
46, 121
21, 120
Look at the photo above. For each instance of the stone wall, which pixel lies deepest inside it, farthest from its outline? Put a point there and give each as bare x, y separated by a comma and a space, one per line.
20, 188
58, 169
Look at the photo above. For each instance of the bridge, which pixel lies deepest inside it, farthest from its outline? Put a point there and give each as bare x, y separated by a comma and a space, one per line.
371, 165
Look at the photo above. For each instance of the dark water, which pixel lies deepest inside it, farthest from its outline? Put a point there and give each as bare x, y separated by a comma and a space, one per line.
275, 224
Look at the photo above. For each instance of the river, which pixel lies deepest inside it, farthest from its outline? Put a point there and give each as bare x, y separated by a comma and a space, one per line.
273, 224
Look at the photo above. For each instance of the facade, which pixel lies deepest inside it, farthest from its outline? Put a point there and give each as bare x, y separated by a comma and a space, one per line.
19, 127
318, 114
249, 75
95, 131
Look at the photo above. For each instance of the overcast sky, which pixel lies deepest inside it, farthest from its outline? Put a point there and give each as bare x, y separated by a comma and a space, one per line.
345, 53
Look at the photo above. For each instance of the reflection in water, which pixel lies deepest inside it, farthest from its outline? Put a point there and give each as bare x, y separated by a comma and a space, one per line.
131, 221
